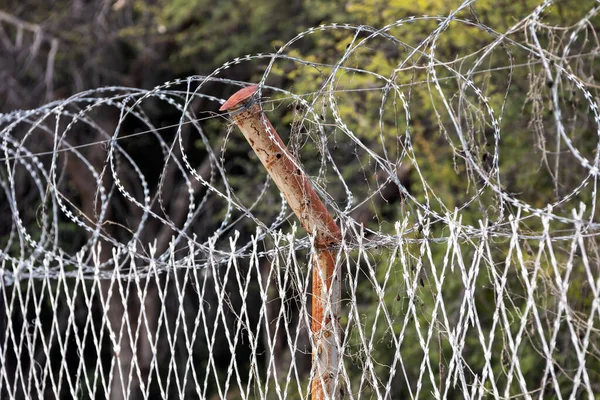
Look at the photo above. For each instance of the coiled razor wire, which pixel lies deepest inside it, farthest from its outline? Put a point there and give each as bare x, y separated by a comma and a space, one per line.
55, 232
60, 122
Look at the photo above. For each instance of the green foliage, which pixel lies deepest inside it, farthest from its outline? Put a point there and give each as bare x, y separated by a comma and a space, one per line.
514, 85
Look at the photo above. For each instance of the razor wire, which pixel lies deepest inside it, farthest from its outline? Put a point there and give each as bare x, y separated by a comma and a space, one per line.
141, 260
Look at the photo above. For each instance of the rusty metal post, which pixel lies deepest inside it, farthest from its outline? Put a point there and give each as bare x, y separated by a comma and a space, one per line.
244, 108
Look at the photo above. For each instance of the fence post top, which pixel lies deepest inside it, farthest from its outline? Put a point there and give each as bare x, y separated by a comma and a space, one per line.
239, 98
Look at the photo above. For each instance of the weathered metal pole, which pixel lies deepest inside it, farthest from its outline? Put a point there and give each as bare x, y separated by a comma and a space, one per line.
245, 109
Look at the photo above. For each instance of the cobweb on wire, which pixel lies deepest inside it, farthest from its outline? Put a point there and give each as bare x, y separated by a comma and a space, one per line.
444, 181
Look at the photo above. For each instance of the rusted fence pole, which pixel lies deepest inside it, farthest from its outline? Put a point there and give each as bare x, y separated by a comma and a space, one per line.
247, 114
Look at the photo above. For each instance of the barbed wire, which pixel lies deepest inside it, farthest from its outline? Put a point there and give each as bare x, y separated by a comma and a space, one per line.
58, 121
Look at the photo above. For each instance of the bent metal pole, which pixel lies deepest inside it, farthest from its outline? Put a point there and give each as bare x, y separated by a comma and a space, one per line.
247, 114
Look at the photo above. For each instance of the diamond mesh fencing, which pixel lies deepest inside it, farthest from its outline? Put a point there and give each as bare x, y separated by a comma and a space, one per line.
143, 260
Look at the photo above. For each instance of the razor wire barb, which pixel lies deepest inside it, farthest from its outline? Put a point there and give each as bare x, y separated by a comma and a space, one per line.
159, 261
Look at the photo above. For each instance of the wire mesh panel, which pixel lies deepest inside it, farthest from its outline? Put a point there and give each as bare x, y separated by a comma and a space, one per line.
144, 259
